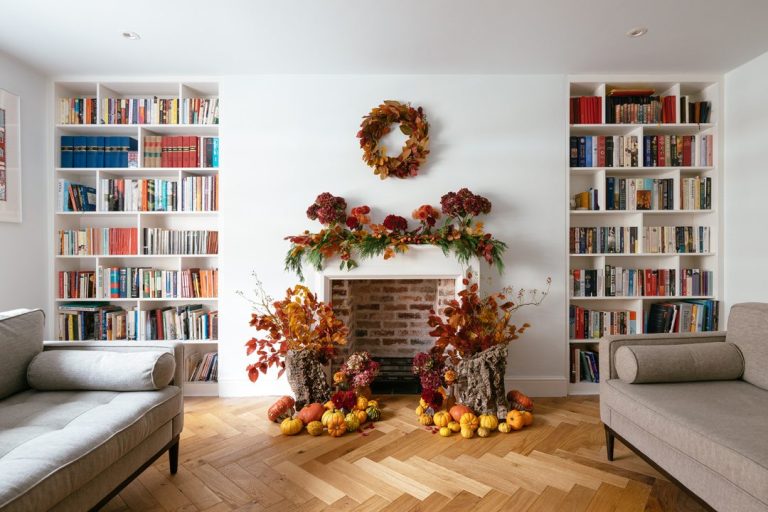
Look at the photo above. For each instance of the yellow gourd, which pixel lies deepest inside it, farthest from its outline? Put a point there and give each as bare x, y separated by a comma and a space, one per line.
419, 411
467, 433
527, 418
352, 422
362, 403
504, 428
291, 426
362, 416
515, 419
423, 403
336, 425
445, 432
330, 414
489, 421
483, 432
469, 420
373, 403
454, 426
441, 418
315, 428
329, 405
425, 419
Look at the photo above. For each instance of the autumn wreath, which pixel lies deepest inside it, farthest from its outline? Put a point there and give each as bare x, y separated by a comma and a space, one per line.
378, 123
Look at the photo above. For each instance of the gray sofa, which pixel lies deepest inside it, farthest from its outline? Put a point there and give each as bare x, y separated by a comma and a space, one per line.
710, 434
72, 433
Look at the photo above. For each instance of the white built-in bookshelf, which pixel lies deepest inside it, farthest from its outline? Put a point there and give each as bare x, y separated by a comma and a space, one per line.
146, 178
700, 170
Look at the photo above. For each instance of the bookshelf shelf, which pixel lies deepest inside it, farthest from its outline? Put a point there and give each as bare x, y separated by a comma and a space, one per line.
191, 143
677, 187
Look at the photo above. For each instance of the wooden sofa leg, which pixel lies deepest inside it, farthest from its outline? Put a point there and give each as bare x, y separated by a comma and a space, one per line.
173, 457
609, 438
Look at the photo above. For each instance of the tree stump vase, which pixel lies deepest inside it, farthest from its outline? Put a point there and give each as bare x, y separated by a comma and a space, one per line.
307, 378
481, 381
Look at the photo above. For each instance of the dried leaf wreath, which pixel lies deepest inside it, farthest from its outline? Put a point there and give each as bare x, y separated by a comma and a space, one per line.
413, 124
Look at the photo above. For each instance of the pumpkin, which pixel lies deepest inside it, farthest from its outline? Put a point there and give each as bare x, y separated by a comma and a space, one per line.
291, 426
483, 432
362, 416
515, 419
329, 405
373, 403
373, 412
352, 422
520, 401
327, 415
336, 425
467, 433
441, 419
458, 410
281, 408
489, 421
527, 418
445, 432
419, 410
504, 428
469, 420
454, 426
362, 403
314, 428
310, 413
423, 403
425, 419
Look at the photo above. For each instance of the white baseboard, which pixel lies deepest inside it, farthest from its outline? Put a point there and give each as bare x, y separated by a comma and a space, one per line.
539, 386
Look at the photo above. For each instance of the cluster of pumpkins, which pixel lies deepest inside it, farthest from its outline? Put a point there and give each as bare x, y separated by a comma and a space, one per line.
317, 417
461, 418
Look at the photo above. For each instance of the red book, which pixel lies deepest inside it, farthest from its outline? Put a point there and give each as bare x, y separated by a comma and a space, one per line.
648, 282
159, 319
195, 148
582, 111
662, 157
601, 151
178, 151
687, 151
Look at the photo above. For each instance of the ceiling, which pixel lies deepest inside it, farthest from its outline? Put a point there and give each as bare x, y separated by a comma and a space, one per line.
208, 37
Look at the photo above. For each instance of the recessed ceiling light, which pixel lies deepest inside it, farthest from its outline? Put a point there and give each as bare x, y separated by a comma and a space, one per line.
133, 36
637, 32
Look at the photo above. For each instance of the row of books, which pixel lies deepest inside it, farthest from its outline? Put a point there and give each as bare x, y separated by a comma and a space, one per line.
202, 367
96, 321
584, 365
83, 110
639, 193
586, 110
683, 316
603, 151
640, 109
588, 200
623, 282
74, 197
604, 240
77, 284
189, 151
670, 150
677, 239
98, 241
585, 324
139, 195
694, 111
200, 193
185, 241
188, 322
696, 193
153, 283
82, 151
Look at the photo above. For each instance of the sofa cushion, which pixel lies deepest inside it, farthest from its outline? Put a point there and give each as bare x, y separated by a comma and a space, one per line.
21, 339
62, 370
688, 362
722, 425
748, 330
53, 443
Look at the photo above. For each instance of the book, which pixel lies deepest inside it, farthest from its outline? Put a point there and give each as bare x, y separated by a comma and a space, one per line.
160, 241
676, 239
604, 240
628, 107
683, 316
586, 110
97, 241
77, 110
187, 322
96, 321
604, 151
75, 197
132, 195
590, 324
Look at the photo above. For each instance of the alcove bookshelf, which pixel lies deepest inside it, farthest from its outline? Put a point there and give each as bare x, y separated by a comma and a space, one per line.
676, 143
143, 157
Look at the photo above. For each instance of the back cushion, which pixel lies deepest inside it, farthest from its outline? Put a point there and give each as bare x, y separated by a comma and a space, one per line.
21, 339
748, 330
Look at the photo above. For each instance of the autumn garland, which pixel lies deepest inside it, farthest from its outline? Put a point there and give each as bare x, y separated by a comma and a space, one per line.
355, 236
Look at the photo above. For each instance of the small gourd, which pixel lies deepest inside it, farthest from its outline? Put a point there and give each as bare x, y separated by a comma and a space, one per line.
336, 425
515, 419
330, 414
455, 426
373, 403
425, 419
373, 412
352, 422
489, 421
458, 410
362, 416
280, 409
419, 410
446, 432
423, 404
329, 405
469, 420
483, 432
314, 428
467, 433
527, 418
441, 419
504, 428
362, 403
291, 426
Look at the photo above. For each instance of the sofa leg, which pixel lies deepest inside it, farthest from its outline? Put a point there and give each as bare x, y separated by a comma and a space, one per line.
609, 438
173, 457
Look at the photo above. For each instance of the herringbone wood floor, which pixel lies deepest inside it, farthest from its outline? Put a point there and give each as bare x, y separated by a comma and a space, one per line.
232, 458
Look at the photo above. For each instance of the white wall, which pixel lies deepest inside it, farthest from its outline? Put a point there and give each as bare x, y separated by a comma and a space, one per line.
286, 139
746, 180
24, 247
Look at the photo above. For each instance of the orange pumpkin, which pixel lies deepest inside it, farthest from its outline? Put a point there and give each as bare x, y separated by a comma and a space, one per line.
310, 413
469, 420
281, 408
515, 419
336, 425
458, 410
527, 418
520, 401
362, 416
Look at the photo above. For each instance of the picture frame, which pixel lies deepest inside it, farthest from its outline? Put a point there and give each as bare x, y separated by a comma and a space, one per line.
10, 157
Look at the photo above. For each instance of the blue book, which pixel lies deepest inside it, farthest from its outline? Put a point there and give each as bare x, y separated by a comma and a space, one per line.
588, 152
88, 198
609, 191
647, 151
582, 151
215, 158
67, 149
91, 147
99, 152
79, 153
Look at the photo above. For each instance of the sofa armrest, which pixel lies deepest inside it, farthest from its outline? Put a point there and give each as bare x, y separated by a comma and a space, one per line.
173, 348
610, 344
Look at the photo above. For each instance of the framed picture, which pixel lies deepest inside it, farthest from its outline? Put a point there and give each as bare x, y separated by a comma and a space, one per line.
10, 158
